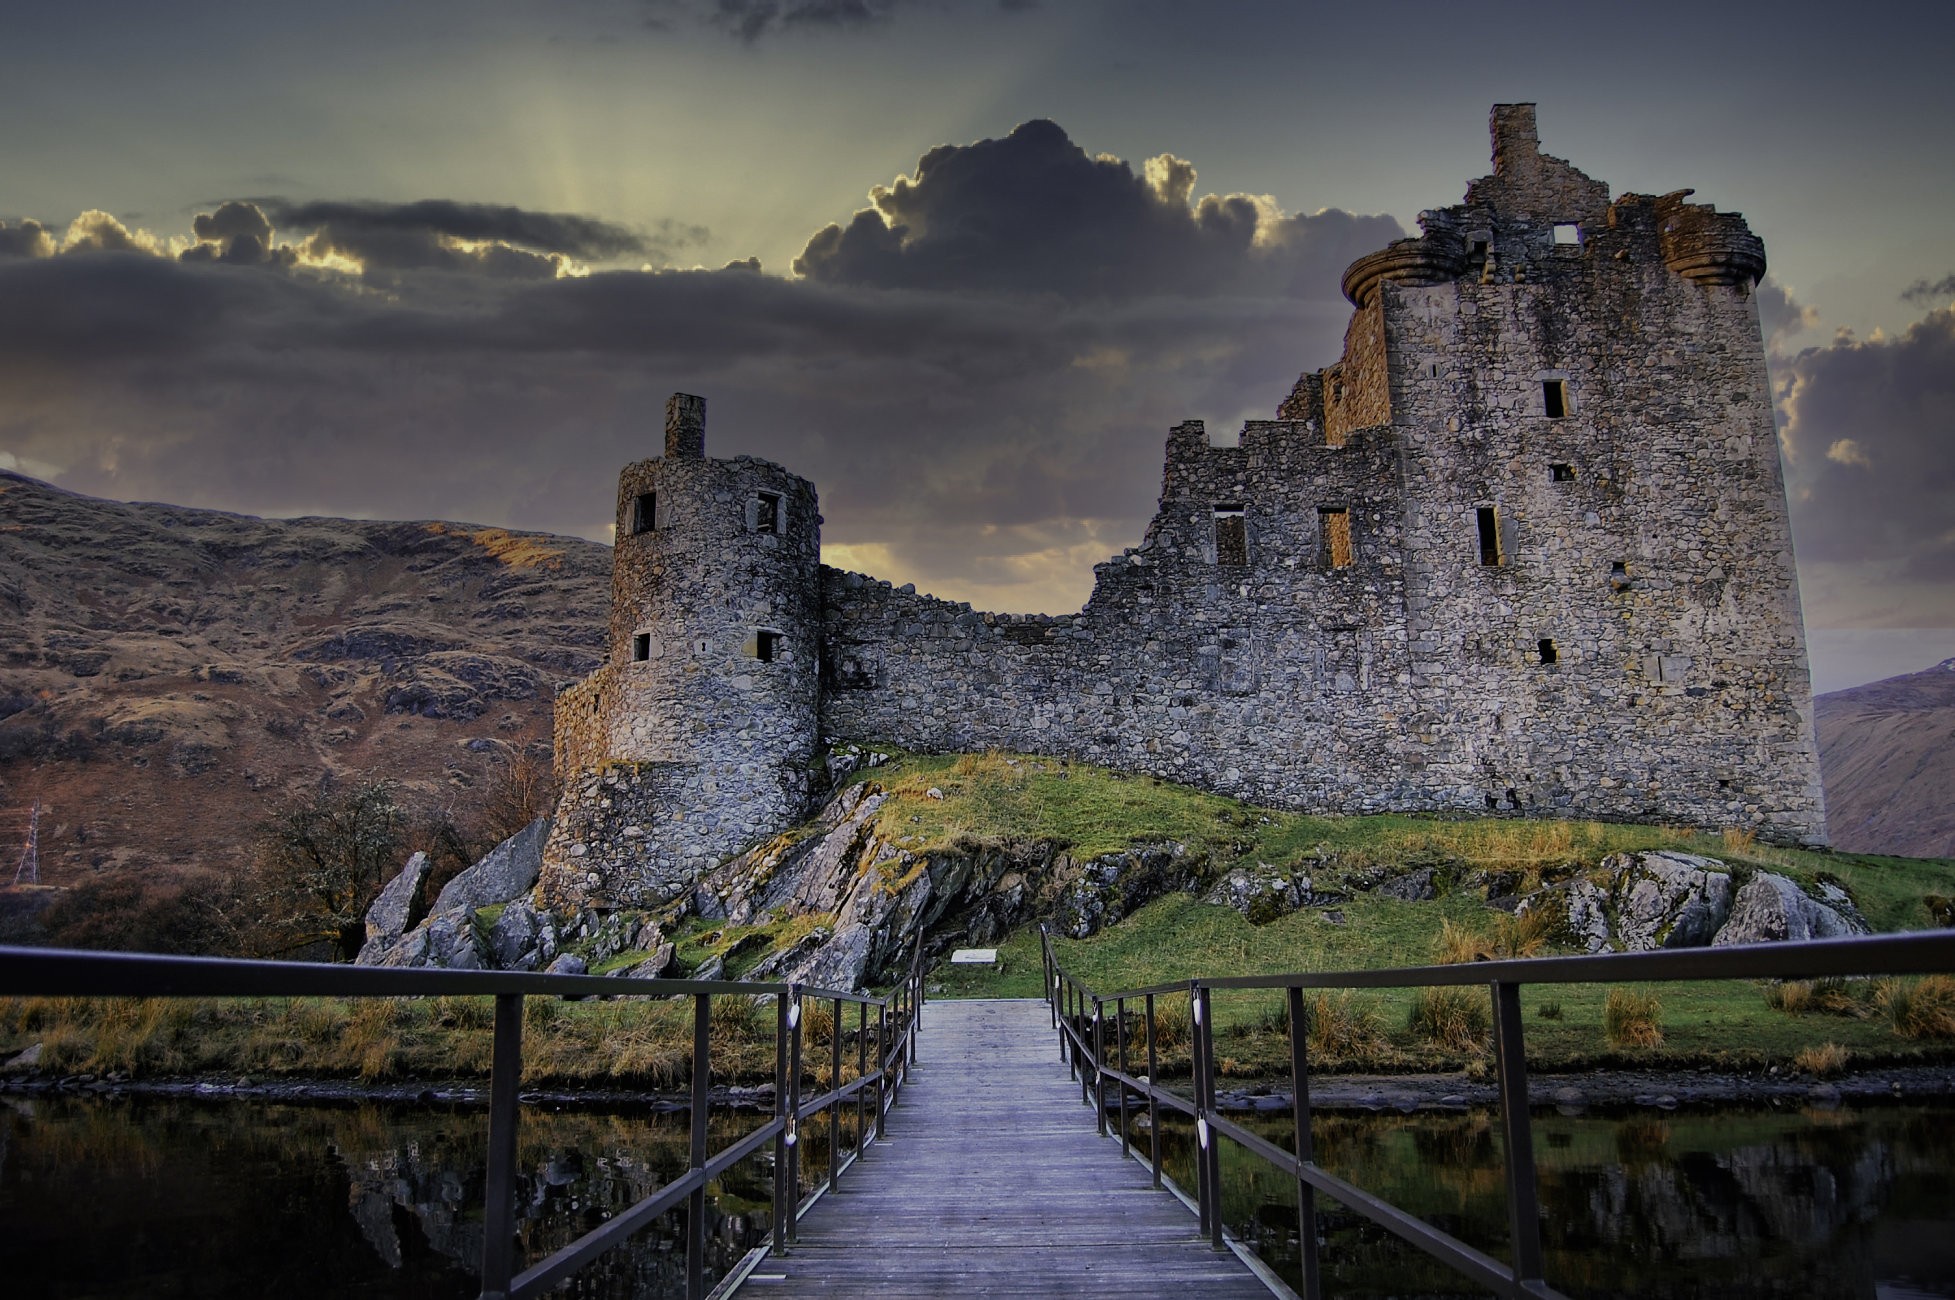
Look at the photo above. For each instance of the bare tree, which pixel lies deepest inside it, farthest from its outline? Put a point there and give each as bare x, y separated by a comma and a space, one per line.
321, 862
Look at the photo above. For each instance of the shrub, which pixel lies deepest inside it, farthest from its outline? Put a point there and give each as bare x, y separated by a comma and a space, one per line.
1923, 1008
1454, 1018
1548, 1011
1632, 1019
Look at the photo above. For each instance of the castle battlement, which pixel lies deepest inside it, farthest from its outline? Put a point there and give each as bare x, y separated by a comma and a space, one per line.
1523, 547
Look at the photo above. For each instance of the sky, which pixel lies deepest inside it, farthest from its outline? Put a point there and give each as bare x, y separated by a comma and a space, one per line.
962, 263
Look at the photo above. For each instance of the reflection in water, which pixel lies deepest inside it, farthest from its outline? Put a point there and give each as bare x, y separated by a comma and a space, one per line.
154, 1197
1733, 1203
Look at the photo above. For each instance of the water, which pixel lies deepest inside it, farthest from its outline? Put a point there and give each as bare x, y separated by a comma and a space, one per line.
166, 1197
178, 1197
1736, 1202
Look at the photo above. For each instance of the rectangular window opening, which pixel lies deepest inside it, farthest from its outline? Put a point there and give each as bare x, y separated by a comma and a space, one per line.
641, 647
1334, 526
1554, 398
1560, 473
767, 514
1567, 234
767, 646
1231, 536
1548, 654
644, 513
1489, 519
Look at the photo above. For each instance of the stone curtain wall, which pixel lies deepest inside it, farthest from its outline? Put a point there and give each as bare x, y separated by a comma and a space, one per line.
1273, 680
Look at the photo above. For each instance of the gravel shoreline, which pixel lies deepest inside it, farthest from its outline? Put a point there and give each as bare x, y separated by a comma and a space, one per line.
1571, 1093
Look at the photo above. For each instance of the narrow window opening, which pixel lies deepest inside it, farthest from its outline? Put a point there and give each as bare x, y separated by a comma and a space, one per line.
1567, 234
1619, 576
1548, 654
1554, 398
767, 646
1478, 252
1231, 536
641, 647
1489, 519
1334, 527
767, 514
1560, 473
644, 513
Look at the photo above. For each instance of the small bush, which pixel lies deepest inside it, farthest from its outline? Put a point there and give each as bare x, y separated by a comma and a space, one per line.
1923, 1008
1632, 1019
1173, 1027
1824, 1061
1456, 1019
1549, 1011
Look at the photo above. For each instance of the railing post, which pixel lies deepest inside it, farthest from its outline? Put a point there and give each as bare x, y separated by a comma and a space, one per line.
882, 1066
1204, 1197
861, 1073
1210, 1153
1099, 1064
834, 1082
783, 1192
702, 1078
793, 1110
1153, 1102
1523, 1197
1120, 1041
1305, 1149
499, 1195
1067, 1025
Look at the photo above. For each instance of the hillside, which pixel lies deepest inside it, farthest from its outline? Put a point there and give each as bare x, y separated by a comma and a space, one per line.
1887, 753
168, 675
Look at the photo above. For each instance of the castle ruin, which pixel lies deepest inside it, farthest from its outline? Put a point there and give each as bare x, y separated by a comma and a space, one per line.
1522, 548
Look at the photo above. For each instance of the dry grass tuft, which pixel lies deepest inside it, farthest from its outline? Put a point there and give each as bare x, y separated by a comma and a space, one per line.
1343, 1027
1823, 1061
1632, 1019
1923, 1008
1454, 1018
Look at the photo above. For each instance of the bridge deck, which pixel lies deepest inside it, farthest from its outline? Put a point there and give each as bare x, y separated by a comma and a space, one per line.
990, 1181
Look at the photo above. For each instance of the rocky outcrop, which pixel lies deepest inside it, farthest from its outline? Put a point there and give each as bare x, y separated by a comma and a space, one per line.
1638, 902
508, 871
399, 904
1772, 908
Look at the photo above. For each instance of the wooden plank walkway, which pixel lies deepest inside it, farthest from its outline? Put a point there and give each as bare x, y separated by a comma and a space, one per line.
991, 1180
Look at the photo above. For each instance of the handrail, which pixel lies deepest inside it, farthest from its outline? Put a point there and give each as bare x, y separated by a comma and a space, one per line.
28, 972
1082, 1044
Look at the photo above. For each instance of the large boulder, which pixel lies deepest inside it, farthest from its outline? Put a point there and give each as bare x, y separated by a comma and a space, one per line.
1771, 908
397, 905
509, 870
1669, 900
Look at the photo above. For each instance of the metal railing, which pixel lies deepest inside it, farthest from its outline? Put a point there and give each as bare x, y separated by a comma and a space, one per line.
60, 973
1083, 1045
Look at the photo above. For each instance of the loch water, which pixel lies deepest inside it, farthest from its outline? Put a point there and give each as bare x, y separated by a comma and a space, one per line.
165, 1197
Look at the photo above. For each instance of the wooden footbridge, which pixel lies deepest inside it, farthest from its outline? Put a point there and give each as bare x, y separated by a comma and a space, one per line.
991, 1180
989, 1177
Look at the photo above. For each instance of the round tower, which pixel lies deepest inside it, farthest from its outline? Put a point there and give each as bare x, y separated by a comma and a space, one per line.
698, 735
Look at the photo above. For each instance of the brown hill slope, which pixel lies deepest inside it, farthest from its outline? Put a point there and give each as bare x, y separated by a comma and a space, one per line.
1887, 756
167, 676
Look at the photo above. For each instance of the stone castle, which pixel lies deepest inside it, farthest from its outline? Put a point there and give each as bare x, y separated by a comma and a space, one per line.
1523, 548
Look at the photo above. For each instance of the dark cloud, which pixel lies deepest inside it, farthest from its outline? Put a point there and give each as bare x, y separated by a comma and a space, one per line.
749, 20
1033, 212
1924, 293
983, 419
238, 234
25, 239
1867, 430
570, 234
1780, 315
